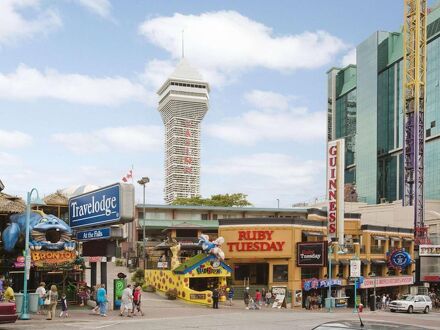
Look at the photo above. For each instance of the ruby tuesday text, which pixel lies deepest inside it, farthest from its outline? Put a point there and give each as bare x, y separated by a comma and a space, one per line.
255, 240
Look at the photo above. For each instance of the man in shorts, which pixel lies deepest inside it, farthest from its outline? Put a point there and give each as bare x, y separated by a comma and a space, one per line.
127, 301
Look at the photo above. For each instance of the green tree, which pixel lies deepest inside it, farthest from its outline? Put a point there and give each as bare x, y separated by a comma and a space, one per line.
226, 200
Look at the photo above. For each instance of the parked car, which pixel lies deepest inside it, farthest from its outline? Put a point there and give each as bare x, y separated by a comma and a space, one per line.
412, 303
8, 312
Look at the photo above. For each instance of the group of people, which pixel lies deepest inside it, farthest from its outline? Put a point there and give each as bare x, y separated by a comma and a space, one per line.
263, 297
131, 301
313, 301
48, 300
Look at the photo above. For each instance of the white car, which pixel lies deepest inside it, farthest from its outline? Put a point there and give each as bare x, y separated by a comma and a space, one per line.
412, 303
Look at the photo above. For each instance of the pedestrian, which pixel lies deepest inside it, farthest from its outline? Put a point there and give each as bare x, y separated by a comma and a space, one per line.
215, 296
230, 295
263, 294
268, 297
95, 298
8, 294
384, 301
41, 291
258, 297
137, 296
101, 299
319, 301
51, 302
246, 297
308, 301
126, 301
64, 311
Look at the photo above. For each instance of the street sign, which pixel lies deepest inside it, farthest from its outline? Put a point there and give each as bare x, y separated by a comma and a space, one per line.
355, 268
111, 204
28, 264
87, 235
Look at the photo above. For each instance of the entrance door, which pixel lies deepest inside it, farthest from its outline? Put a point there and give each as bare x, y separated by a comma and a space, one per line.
258, 273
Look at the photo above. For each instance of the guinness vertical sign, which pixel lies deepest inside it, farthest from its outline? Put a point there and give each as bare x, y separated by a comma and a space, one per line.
335, 189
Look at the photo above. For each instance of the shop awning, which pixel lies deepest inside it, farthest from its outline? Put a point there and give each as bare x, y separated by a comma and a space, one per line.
378, 261
365, 261
408, 239
334, 262
396, 238
313, 233
380, 238
344, 261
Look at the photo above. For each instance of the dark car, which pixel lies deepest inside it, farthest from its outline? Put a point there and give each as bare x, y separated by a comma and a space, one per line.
367, 325
8, 312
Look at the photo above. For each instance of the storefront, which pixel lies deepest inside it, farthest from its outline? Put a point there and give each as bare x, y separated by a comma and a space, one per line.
193, 280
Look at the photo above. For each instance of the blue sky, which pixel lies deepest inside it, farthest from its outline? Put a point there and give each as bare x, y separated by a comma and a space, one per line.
78, 81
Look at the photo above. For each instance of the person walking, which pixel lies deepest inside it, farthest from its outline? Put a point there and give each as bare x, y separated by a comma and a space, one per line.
126, 301
137, 296
41, 291
8, 294
230, 295
246, 297
52, 300
64, 311
319, 301
258, 297
268, 297
215, 296
101, 299
384, 301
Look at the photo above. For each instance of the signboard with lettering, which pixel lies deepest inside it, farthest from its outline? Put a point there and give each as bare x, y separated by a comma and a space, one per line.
429, 250
197, 296
311, 254
335, 189
111, 204
87, 235
355, 268
280, 293
399, 259
315, 283
52, 259
380, 282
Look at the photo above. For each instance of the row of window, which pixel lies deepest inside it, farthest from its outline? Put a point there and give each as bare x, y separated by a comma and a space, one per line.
187, 85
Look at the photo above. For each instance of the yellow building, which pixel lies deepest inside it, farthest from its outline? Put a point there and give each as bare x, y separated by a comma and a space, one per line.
264, 252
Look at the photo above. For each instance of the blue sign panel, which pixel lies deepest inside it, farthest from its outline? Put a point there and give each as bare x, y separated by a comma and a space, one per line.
87, 235
400, 259
95, 208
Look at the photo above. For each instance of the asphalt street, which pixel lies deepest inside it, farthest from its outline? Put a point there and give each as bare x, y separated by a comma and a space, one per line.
165, 314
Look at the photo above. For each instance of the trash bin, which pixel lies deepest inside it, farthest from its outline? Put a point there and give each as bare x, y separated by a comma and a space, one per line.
329, 303
372, 302
18, 302
33, 302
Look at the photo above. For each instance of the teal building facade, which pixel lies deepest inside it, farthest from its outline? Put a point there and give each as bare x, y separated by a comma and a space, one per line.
365, 107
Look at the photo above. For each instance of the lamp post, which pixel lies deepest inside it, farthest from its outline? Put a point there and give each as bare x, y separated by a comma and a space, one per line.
27, 258
356, 279
278, 202
329, 294
143, 182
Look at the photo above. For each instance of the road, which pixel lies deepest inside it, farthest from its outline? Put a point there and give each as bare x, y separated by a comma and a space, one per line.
162, 314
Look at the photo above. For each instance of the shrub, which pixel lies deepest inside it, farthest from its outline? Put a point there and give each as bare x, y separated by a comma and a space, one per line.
171, 294
138, 277
148, 288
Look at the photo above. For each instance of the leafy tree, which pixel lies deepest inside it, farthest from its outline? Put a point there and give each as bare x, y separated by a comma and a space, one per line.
226, 200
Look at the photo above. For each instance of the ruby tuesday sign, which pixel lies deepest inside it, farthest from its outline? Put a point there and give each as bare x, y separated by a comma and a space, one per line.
311, 254
255, 240
335, 188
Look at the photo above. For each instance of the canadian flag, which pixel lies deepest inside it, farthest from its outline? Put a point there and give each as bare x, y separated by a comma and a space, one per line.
128, 176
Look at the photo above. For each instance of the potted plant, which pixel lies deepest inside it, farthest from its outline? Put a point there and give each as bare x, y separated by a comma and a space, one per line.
171, 294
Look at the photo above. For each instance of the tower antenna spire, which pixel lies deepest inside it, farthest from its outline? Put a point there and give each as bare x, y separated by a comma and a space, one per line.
183, 43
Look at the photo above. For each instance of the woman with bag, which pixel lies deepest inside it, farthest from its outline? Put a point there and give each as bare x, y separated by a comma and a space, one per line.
51, 302
41, 291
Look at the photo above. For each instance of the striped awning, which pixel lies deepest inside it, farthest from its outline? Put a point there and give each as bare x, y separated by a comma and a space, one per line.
396, 238
380, 238
365, 261
378, 261
408, 239
344, 261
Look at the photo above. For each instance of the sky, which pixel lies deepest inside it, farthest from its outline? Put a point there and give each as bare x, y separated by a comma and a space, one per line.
78, 82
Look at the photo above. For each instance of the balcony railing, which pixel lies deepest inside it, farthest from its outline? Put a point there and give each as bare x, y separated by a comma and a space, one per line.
362, 249
375, 249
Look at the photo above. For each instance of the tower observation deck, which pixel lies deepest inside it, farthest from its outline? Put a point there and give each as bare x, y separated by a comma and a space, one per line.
183, 102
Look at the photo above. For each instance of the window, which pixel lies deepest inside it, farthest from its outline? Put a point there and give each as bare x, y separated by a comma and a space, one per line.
280, 273
205, 216
432, 124
428, 132
214, 217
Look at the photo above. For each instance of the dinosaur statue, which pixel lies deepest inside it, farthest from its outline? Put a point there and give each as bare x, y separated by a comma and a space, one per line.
213, 247
46, 232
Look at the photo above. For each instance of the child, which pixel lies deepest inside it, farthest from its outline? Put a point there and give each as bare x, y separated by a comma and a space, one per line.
137, 300
64, 306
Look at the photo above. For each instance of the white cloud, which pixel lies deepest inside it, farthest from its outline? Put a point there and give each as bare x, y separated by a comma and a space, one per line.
100, 7
7, 159
349, 58
275, 122
14, 139
30, 84
24, 19
156, 73
267, 100
224, 42
122, 139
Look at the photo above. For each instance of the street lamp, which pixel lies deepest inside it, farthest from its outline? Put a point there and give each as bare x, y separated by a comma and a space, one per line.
329, 257
278, 202
143, 182
27, 258
373, 274
356, 280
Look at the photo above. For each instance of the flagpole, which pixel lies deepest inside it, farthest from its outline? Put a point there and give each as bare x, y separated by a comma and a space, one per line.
132, 169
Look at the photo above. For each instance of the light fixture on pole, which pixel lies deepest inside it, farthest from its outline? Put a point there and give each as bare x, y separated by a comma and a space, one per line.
27, 257
278, 202
143, 182
340, 250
